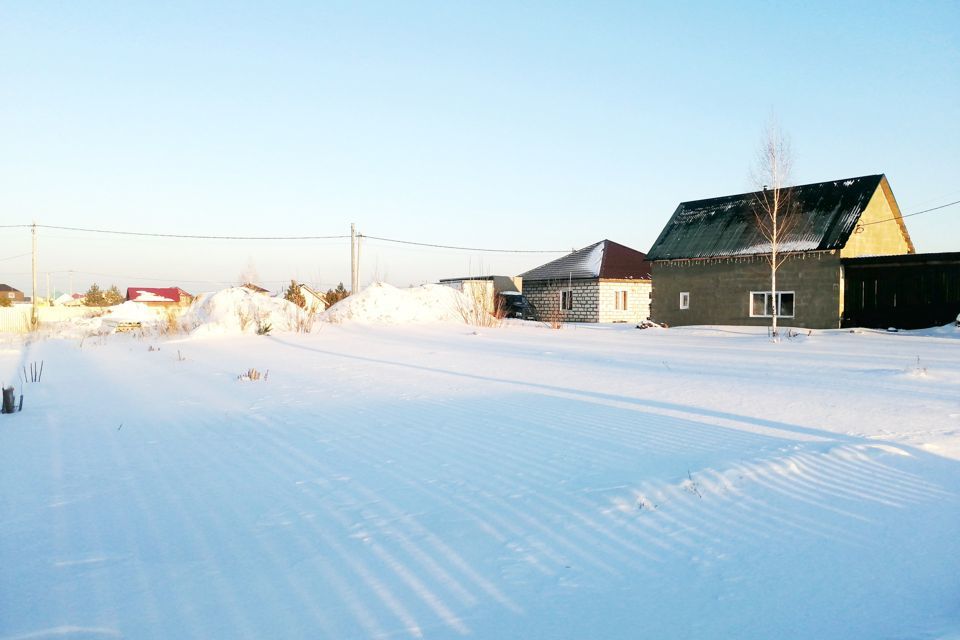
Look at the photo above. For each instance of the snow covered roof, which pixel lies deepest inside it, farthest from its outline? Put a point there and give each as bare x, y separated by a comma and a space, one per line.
156, 294
726, 226
604, 259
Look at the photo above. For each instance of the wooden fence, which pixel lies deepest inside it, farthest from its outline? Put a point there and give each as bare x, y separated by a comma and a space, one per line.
16, 319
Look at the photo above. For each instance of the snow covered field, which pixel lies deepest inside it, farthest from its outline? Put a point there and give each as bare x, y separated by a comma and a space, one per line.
439, 481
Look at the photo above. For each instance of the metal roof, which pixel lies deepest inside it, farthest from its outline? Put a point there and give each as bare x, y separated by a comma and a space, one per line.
716, 227
604, 259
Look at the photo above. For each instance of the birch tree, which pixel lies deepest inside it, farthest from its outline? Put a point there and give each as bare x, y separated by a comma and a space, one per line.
775, 209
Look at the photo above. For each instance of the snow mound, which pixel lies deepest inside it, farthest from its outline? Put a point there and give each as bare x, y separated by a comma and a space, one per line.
381, 303
132, 312
238, 310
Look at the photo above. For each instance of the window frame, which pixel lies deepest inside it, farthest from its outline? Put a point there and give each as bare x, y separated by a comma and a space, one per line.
684, 299
621, 301
766, 304
568, 294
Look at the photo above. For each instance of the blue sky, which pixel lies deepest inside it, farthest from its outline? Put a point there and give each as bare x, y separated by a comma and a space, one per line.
505, 125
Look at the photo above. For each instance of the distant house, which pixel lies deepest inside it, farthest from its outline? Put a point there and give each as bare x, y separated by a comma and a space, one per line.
709, 262
605, 282
69, 300
11, 294
255, 288
484, 290
315, 301
159, 296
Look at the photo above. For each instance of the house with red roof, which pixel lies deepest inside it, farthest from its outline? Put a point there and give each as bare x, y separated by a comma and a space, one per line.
159, 296
605, 282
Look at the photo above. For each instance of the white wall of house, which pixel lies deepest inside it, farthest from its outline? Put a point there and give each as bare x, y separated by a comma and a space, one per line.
611, 299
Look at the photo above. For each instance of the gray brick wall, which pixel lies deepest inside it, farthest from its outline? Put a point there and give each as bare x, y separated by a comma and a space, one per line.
720, 290
593, 300
545, 296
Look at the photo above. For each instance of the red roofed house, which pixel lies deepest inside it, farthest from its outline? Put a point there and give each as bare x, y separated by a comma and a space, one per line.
159, 297
605, 282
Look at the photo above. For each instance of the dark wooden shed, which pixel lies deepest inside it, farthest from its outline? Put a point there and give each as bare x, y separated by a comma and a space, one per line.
909, 291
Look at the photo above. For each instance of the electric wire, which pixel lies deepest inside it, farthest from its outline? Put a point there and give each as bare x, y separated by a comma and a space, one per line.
910, 215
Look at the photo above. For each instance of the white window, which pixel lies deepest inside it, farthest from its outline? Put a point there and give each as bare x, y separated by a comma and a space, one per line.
620, 300
566, 299
684, 299
761, 304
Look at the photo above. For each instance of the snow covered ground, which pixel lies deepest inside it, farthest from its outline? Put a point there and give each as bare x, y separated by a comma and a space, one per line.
438, 481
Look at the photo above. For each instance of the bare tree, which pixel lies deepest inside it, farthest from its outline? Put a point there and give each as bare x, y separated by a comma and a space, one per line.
775, 208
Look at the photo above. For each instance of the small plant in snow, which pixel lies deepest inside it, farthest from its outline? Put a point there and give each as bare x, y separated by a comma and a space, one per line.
643, 504
263, 328
917, 369
253, 374
244, 318
692, 486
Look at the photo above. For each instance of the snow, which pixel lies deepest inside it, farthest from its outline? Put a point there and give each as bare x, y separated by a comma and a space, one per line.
131, 311
239, 310
150, 296
428, 481
382, 303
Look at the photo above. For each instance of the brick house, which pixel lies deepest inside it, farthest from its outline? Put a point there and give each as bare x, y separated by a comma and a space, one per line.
11, 294
709, 264
605, 282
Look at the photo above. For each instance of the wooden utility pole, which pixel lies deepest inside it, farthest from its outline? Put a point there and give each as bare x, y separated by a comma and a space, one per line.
33, 312
354, 259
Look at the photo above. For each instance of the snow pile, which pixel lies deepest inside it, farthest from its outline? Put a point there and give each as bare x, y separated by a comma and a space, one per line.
95, 321
381, 303
133, 312
239, 310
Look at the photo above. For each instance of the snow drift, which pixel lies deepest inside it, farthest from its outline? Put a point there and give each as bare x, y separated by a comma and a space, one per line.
381, 303
238, 310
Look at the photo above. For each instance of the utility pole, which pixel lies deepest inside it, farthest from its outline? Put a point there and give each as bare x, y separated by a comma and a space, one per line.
354, 256
33, 312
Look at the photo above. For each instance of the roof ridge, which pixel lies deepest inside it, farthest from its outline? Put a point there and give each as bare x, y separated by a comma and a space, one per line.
793, 186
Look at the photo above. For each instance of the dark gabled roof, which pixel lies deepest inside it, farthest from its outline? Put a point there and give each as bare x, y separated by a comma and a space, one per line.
726, 226
604, 259
6, 287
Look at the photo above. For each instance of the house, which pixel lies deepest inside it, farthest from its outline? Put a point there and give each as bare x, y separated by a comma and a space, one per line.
11, 294
69, 300
314, 300
605, 282
255, 288
709, 264
159, 296
485, 289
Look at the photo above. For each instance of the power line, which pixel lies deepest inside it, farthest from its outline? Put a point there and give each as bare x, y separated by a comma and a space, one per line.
445, 246
16, 256
185, 236
915, 213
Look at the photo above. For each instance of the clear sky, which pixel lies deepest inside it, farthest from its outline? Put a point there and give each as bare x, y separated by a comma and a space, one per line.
486, 124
